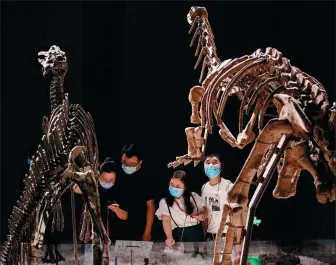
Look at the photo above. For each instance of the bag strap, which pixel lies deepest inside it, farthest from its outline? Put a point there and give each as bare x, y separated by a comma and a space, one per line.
194, 202
171, 214
198, 222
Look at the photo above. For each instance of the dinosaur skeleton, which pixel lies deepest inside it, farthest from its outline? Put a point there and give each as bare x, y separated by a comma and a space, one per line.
69, 136
300, 136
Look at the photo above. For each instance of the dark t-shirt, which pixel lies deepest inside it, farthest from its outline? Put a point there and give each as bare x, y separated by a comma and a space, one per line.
108, 196
135, 192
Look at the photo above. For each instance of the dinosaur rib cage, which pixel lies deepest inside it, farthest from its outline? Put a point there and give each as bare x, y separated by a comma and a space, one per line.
69, 126
255, 79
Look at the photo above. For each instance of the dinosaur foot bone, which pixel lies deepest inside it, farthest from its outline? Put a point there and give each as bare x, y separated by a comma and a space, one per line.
325, 192
238, 193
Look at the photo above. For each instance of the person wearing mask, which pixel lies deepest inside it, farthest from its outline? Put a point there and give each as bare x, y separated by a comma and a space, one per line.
215, 193
137, 191
181, 212
109, 197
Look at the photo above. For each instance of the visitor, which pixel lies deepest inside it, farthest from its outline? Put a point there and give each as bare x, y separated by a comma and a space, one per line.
181, 212
215, 193
137, 191
109, 194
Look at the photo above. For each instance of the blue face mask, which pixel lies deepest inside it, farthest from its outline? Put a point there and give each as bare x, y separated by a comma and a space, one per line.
106, 185
212, 171
128, 170
175, 192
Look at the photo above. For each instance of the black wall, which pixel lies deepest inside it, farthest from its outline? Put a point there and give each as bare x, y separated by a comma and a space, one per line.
130, 65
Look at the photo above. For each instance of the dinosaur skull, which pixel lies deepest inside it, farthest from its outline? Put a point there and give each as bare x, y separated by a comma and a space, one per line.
196, 11
53, 60
77, 156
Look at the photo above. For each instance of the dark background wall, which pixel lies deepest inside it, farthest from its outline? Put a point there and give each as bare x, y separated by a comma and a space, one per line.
130, 65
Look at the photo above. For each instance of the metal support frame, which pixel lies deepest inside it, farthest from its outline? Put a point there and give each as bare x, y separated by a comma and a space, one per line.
262, 186
74, 232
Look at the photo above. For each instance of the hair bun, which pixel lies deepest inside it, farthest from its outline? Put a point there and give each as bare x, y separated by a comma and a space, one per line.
108, 166
108, 159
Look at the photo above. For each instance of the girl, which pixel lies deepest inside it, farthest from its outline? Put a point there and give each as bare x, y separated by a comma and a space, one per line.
181, 212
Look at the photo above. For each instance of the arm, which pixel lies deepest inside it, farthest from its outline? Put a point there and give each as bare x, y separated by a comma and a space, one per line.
121, 214
202, 213
149, 220
167, 228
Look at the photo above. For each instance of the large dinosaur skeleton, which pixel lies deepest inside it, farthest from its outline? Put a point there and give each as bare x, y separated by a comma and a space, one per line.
300, 136
68, 153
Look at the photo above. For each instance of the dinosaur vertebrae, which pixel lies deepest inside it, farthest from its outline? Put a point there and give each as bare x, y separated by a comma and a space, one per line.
206, 46
55, 61
69, 126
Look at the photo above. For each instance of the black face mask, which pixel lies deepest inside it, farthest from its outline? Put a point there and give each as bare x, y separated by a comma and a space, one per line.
80, 161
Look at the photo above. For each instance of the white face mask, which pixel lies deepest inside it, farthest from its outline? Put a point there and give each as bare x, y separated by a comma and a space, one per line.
128, 170
106, 185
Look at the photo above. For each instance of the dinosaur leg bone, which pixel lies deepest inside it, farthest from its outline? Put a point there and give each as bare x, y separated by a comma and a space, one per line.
270, 135
265, 178
235, 222
229, 239
195, 96
198, 143
191, 142
288, 175
196, 147
327, 149
227, 210
238, 221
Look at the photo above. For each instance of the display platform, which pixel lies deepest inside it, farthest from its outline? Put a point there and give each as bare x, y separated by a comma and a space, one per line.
315, 252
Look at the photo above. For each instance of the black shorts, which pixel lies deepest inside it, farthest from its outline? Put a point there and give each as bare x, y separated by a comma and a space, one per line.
210, 236
189, 234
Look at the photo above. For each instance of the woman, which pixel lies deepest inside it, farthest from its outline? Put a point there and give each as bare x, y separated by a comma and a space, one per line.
109, 198
181, 212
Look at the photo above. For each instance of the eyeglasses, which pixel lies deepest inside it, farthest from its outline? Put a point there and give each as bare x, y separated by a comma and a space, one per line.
106, 181
129, 165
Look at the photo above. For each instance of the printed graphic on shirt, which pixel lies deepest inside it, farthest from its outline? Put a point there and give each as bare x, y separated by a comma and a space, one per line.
213, 202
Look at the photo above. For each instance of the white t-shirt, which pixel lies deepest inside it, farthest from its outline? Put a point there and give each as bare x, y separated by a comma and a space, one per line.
179, 216
215, 197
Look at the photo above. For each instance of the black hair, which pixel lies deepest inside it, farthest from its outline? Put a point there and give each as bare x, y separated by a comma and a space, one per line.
213, 155
217, 156
183, 176
131, 150
108, 166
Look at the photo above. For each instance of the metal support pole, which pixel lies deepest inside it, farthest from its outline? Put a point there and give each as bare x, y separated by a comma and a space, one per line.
264, 181
74, 233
